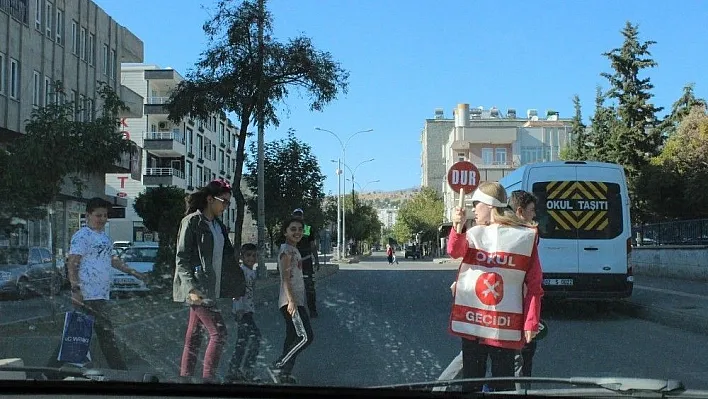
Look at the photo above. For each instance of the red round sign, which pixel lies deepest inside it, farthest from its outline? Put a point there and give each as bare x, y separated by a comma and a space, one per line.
463, 175
490, 288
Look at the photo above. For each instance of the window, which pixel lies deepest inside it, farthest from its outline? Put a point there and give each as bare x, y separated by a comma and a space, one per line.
113, 65
82, 45
228, 164
487, 156
207, 148
565, 210
500, 156
38, 14
213, 152
92, 49
105, 59
461, 156
48, 20
47, 91
74, 38
222, 139
82, 110
200, 176
221, 160
188, 172
36, 88
190, 136
75, 102
233, 140
200, 146
89, 110
14, 79
2, 73
60, 26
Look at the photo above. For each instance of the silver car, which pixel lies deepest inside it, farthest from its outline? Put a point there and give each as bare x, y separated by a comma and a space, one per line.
28, 270
142, 258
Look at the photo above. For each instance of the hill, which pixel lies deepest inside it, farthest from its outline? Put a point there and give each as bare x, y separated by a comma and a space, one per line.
388, 199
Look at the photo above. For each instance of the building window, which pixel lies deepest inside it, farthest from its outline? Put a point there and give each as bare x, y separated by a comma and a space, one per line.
47, 91
500, 156
89, 110
36, 88
113, 65
221, 160
75, 102
190, 137
38, 14
461, 156
92, 49
213, 152
60, 26
14, 79
105, 59
222, 138
48, 20
207, 148
200, 176
487, 156
200, 146
82, 45
228, 164
74, 38
2, 73
233, 140
188, 172
82, 109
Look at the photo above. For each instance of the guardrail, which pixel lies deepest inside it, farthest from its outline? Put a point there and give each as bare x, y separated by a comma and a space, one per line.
164, 172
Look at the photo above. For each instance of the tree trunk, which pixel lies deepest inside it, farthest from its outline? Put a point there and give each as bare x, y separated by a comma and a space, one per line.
238, 173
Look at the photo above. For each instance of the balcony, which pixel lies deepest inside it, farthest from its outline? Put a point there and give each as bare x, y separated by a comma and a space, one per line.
156, 105
165, 144
164, 176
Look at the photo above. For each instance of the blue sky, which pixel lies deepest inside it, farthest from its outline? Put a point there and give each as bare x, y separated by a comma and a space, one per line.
407, 58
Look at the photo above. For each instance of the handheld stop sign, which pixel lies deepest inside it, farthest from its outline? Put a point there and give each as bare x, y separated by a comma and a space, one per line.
463, 177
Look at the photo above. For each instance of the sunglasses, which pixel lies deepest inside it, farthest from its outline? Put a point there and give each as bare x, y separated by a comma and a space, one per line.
223, 201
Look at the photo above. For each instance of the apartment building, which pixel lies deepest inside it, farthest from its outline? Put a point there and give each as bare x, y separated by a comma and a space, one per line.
497, 144
387, 217
77, 43
188, 154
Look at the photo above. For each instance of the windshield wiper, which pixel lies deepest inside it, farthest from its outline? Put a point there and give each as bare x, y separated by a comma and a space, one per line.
615, 384
76, 372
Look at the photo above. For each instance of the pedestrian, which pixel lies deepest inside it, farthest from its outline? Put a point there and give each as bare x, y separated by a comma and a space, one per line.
207, 276
298, 332
389, 254
523, 204
490, 311
308, 250
89, 264
248, 341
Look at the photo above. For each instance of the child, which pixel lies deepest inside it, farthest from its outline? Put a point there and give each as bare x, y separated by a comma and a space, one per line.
249, 336
298, 333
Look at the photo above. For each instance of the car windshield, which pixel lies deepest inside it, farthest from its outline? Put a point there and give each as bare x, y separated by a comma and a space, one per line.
135, 254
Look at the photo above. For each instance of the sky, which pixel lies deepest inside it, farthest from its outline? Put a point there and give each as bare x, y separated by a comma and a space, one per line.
406, 58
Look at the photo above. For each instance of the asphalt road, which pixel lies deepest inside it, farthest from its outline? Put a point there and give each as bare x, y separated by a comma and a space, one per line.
380, 324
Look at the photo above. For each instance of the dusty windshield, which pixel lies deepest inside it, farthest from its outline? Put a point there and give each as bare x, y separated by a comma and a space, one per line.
353, 193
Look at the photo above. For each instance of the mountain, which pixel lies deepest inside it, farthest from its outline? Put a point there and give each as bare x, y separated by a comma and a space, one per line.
387, 199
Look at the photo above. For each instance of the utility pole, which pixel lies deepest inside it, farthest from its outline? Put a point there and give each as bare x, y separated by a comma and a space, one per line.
262, 271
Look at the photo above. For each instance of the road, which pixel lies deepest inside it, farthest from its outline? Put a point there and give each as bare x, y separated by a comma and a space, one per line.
380, 324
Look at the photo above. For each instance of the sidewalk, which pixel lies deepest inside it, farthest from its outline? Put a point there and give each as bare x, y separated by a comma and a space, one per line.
672, 302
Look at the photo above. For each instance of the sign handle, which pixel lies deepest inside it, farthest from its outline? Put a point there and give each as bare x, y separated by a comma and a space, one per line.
460, 205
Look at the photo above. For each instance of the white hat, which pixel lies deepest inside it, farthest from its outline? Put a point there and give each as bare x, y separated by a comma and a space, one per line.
487, 199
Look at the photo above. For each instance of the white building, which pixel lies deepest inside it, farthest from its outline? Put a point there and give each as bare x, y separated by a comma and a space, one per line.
188, 154
388, 217
498, 144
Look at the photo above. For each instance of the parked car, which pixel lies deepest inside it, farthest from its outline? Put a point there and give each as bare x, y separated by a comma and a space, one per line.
412, 251
141, 257
27, 270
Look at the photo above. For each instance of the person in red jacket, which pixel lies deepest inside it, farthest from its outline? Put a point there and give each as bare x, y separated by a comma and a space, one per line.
490, 310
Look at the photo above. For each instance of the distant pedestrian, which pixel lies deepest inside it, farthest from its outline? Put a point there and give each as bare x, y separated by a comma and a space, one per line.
389, 254
248, 341
89, 267
207, 275
298, 332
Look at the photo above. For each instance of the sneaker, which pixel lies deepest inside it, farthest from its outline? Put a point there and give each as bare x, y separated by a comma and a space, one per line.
274, 373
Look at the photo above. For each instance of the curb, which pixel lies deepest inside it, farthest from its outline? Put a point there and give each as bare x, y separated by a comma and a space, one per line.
663, 316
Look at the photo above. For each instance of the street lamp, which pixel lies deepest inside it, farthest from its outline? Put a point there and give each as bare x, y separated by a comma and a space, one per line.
344, 160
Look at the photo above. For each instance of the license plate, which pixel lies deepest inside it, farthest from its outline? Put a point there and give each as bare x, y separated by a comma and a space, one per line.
558, 281
124, 281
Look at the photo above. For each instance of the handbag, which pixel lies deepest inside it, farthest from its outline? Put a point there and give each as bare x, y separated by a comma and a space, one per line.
76, 338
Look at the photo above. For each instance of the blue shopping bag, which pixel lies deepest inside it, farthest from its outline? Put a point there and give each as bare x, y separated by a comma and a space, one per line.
76, 338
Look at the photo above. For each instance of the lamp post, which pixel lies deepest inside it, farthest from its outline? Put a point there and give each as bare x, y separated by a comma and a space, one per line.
344, 212
344, 160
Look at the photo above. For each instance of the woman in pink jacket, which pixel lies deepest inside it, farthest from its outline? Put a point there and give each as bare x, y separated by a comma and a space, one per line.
497, 294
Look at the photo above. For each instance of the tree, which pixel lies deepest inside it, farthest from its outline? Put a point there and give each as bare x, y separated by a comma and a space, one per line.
230, 76
363, 224
162, 209
422, 214
635, 139
401, 232
293, 179
601, 127
679, 110
578, 149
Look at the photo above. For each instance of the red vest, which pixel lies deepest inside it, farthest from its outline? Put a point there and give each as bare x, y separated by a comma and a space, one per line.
489, 291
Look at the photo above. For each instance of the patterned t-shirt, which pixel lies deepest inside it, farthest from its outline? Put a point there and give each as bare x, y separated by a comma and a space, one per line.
95, 250
296, 278
245, 303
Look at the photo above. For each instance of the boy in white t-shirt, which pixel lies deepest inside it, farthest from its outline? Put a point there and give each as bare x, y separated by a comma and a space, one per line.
249, 336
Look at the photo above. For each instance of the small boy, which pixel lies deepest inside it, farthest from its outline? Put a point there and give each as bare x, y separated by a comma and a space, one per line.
249, 336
